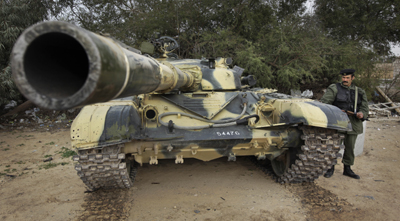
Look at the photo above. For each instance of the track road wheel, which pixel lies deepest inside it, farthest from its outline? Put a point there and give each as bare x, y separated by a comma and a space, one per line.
282, 163
132, 167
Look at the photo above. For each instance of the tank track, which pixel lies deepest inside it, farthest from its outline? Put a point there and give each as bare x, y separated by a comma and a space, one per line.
105, 167
319, 152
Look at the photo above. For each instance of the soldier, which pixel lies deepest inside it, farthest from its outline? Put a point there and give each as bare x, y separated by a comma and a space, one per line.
353, 101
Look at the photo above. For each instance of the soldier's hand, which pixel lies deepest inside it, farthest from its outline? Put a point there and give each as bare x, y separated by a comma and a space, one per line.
360, 115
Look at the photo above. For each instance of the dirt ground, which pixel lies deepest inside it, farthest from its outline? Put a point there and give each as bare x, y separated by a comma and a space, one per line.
31, 189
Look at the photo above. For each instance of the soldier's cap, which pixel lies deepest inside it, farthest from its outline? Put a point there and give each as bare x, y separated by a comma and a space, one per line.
345, 72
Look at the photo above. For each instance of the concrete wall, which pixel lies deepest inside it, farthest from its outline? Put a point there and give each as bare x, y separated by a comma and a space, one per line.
359, 146
360, 141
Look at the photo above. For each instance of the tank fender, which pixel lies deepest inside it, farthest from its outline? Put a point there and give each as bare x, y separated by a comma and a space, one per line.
104, 124
313, 113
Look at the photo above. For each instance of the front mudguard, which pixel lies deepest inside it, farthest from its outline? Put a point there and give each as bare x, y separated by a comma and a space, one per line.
105, 124
314, 113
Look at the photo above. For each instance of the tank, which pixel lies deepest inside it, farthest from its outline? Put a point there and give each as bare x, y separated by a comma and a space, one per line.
138, 109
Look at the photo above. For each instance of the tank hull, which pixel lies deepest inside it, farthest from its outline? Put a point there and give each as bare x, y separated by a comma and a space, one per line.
284, 126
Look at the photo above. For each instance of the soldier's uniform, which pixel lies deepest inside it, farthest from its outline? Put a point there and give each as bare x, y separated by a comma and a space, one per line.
343, 97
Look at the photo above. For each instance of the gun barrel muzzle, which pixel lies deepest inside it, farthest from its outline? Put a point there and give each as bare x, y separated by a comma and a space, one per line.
58, 66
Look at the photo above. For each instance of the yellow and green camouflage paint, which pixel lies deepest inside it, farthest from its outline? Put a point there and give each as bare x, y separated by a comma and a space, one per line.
148, 140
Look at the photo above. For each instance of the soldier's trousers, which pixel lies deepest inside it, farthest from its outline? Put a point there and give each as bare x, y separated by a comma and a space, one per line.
349, 143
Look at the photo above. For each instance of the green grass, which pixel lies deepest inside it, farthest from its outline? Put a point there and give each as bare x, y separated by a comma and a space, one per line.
7, 170
51, 143
51, 165
47, 166
20, 162
47, 156
5, 149
65, 152
20, 145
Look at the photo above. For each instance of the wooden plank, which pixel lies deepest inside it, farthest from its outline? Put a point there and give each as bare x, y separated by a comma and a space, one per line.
22, 107
391, 108
387, 99
386, 108
384, 105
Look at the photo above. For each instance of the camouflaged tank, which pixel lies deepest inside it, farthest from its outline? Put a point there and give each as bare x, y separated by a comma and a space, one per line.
140, 110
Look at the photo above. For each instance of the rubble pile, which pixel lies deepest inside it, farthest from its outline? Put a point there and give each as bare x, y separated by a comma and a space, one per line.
383, 110
38, 119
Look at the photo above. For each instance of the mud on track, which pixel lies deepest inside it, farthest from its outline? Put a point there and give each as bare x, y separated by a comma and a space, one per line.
106, 205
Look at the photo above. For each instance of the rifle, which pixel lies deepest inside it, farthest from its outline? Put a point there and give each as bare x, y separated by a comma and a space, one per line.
351, 113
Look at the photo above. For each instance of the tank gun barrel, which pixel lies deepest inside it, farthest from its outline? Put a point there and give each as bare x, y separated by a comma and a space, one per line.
58, 66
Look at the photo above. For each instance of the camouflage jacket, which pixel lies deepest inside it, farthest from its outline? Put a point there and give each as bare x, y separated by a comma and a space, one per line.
329, 98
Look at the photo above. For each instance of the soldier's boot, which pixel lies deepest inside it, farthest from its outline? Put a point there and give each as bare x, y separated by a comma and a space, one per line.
329, 172
348, 172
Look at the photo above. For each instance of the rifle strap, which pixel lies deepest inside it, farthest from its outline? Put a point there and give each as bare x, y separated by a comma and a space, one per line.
355, 102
